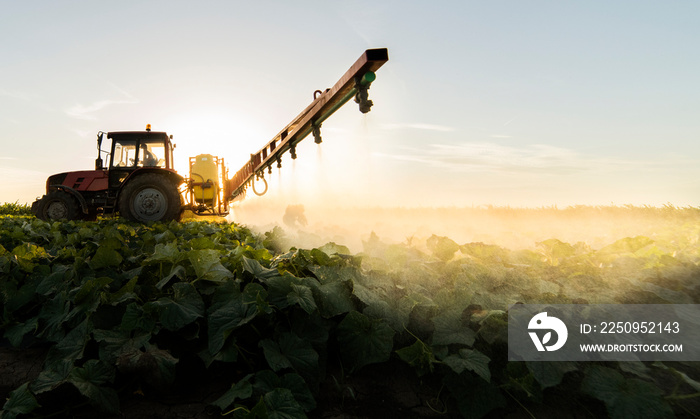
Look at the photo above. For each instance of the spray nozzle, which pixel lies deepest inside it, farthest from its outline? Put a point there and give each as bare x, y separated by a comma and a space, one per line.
316, 130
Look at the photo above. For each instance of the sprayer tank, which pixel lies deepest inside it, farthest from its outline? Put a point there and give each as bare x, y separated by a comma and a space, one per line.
204, 173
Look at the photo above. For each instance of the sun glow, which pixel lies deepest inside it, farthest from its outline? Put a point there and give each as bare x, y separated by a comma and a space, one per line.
222, 132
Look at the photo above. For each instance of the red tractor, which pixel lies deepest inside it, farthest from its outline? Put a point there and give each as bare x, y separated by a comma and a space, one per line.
140, 183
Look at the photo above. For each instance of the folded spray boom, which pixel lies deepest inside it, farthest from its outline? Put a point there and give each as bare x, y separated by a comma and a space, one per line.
355, 84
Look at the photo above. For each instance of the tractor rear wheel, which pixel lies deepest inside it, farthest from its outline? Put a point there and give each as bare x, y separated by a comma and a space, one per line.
58, 205
150, 197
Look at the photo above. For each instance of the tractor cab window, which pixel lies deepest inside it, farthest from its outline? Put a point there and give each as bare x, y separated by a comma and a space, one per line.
124, 153
152, 154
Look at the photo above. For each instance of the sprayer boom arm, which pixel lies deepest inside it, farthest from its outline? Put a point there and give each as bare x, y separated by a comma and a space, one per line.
353, 84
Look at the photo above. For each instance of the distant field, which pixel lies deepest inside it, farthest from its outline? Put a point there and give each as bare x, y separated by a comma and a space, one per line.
513, 228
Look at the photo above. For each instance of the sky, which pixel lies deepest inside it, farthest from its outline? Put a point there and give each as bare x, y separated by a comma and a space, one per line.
504, 102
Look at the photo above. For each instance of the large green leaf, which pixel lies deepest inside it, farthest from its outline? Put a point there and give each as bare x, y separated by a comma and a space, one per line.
302, 295
240, 390
104, 257
419, 356
72, 346
226, 319
52, 377
20, 402
135, 318
363, 340
494, 327
395, 312
28, 255
333, 249
297, 385
279, 288
449, 329
207, 265
222, 294
260, 272
625, 397
90, 380
167, 252
683, 376
55, 281
335, 298
90, 290
175, 271
202, 243
256, 295
472, 360
626, 245
15, 299
485, 253
550, 374
281, 404
311, 327
154, 365
115, 343
443, 248
290, 351
15, 334
53, 313
267, 381
327, 273
183, 308
555, 250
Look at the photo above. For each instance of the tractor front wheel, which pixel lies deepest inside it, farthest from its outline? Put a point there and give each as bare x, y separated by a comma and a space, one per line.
58, 205
150, 197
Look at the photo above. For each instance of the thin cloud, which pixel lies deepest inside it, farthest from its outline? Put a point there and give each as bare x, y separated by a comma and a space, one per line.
535, 158
28, 175
29, 98
85, 112
427, 127
17, 95
509, 121
83, 133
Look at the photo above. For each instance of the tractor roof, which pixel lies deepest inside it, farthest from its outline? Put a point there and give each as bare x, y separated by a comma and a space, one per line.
138, 135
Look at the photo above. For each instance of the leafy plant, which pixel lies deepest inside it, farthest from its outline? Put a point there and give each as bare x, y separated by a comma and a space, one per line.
9, 208
125, 308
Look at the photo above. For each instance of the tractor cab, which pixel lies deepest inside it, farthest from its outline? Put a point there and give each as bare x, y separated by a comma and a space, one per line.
134, 150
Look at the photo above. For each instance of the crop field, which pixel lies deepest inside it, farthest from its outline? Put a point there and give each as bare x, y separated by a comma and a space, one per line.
203, 319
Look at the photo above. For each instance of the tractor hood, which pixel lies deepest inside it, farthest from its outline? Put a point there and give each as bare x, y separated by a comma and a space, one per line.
81, 180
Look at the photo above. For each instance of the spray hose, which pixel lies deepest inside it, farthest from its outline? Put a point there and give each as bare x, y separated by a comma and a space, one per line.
252, 182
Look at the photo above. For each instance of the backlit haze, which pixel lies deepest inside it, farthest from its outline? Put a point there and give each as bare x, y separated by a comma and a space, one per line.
505, 103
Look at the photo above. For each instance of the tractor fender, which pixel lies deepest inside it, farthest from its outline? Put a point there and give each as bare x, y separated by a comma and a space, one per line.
77, 195
172, 175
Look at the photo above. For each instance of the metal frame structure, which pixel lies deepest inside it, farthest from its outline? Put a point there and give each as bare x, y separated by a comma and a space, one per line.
354, 84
